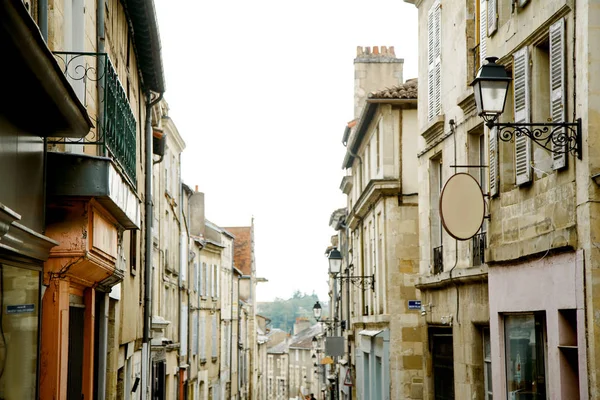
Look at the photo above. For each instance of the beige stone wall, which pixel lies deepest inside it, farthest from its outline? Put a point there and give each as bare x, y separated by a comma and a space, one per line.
469, 315
402, 254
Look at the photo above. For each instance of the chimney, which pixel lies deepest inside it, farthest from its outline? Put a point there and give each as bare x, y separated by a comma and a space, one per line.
301, 324
374, 70
197, 213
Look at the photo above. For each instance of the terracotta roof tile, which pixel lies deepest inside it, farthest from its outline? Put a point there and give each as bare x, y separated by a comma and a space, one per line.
406, 91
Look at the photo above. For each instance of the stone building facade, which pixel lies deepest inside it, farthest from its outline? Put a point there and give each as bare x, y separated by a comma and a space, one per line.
535, 279
379, 236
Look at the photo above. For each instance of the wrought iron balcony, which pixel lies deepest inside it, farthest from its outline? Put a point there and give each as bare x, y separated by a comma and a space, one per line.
479, 245
438, 260
115, 125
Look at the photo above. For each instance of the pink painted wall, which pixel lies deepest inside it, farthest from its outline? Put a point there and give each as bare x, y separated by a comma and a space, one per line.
548, 284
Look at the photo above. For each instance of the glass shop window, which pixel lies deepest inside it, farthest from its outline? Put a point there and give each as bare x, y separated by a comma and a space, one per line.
19, 324
525, 340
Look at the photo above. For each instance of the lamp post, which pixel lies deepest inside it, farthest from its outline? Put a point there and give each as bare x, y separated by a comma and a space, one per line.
490, 88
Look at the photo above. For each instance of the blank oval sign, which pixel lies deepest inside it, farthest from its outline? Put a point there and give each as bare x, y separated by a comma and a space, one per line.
462, 206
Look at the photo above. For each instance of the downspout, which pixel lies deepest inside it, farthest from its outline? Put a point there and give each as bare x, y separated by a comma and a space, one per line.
42, 9
104, 301
147, 242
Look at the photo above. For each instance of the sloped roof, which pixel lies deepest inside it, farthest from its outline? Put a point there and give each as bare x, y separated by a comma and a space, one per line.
408, 90
303, 340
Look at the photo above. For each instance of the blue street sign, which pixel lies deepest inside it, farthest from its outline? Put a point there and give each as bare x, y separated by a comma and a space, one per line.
414, 304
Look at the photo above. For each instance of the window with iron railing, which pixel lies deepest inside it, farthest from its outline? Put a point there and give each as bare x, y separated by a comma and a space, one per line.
115, 124
438, 260
479, 245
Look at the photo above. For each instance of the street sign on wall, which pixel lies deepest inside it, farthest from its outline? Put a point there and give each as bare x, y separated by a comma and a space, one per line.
414, 304
334, 346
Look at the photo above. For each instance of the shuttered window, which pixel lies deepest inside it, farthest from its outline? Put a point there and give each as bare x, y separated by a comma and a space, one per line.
434, 55
209, 291
493, 163
183, 329
203, 337
482, 31
557, 88
213, 342
492, 16
522, 114
195, 333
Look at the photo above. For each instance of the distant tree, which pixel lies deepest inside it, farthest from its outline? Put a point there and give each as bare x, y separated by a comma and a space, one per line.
283, 313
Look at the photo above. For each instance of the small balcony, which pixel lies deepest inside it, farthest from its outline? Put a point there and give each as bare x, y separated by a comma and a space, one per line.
115, 124
479, 245
438, 260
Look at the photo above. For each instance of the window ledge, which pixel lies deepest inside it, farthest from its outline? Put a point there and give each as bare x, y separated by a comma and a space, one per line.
462, 275
467, 103
434, 128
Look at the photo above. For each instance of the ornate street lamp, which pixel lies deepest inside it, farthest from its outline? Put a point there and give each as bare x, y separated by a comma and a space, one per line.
317, 310
335, 261
490, 88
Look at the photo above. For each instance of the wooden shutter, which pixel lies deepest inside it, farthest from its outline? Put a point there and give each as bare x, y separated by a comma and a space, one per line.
434, 52
195, 333
558, 87
213, 342
218, 280
431, 63
438, 58
493, 163
210, 280
522, 112
492, 16
483, 29
203, 337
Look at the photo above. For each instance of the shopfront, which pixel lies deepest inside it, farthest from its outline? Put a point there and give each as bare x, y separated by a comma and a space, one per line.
37, 103
537, 329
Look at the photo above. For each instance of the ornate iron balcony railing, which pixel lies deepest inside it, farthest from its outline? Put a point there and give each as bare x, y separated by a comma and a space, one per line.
438, 260
115, 125
479, 245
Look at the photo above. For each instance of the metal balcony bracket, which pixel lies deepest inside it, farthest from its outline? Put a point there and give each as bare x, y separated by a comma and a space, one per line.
362, 282
556, 137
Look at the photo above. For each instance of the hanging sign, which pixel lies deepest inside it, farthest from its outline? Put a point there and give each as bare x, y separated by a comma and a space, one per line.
462, 206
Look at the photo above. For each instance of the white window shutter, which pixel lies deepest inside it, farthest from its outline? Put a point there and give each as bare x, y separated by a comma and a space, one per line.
434, 52
483, 30
431, 63
203, 338
493, 163
210, 281
195, 333
558, 88
522, 111
214, 344
492, 18
218, 281
438, 58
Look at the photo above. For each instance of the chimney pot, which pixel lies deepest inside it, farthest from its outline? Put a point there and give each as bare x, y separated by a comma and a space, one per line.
376, 50
392, 52
359, 51
367, 50
196, 188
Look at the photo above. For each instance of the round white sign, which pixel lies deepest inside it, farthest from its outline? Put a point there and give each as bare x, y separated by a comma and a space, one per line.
462, 206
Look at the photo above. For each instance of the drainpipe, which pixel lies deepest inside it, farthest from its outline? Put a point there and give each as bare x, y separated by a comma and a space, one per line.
42, 9
148, 245
103, 303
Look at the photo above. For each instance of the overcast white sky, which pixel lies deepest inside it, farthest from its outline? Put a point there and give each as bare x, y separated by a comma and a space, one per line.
261, 91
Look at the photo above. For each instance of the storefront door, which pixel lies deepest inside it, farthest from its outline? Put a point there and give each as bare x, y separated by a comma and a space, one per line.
443, 363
